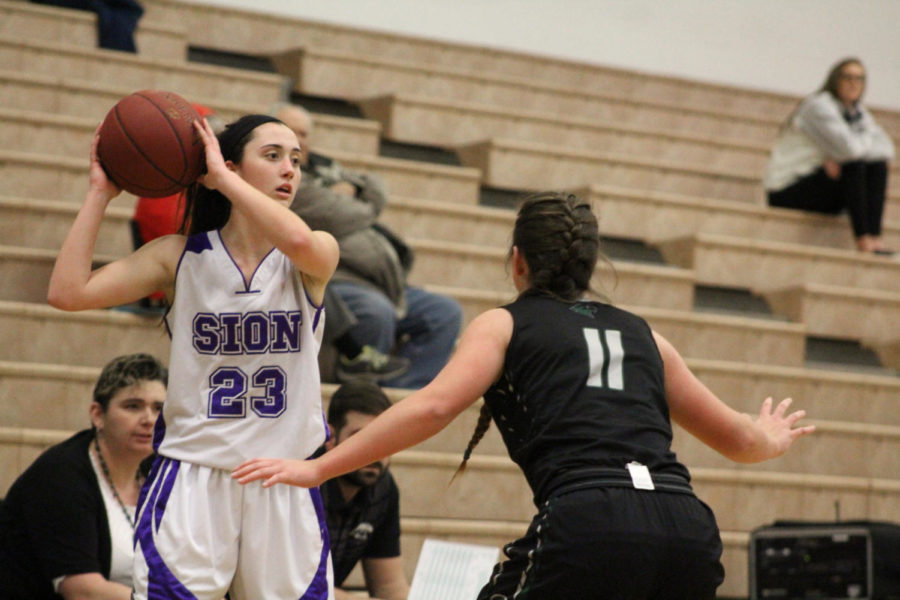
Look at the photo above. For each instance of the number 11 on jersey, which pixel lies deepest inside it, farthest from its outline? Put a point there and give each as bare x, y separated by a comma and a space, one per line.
605, 358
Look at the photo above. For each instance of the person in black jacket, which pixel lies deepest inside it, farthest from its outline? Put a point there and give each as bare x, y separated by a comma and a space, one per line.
67, 524
582, 393
362, 508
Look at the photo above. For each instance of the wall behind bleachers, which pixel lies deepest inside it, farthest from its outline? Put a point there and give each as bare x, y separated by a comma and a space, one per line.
765, 44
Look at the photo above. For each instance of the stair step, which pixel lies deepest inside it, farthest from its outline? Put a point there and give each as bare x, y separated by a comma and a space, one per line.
56, 396
138, 72
71, 135
60, 177
236, 29
515, 164
697, 335
417, 179
317, 70
763, 265
32, 332
467, 265
653, 215
43, 224
825, 393
26, 21
440, 122
871, 316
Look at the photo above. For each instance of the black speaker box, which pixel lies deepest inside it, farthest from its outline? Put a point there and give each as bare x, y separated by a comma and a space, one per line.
800, 560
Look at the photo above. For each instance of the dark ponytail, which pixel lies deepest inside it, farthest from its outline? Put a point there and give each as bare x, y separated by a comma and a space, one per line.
206, 209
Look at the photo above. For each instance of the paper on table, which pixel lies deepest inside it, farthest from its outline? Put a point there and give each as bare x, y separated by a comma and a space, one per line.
451, 571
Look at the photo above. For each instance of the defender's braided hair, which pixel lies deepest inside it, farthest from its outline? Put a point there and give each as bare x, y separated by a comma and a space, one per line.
559, 237
481, 427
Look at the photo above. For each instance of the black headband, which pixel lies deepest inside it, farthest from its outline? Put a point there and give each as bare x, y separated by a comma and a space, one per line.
231, 140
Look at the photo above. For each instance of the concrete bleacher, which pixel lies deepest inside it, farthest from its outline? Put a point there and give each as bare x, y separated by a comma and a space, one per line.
48, 129
669, 163
36, 22
514, 164
234, 30
449, 123
138, 72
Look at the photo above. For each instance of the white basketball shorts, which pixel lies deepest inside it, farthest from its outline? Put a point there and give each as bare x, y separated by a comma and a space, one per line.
200, 535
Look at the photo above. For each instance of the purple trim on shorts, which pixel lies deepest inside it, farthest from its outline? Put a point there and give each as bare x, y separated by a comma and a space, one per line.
145, 491
318, 588
161, 582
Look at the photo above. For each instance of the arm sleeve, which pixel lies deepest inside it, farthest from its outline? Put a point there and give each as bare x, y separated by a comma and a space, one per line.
882, 145
385, 541
63, 521
823, 122
372, 191
370, 188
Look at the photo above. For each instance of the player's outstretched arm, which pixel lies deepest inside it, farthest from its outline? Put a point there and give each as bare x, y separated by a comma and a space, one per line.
737, 436
74, 285
476, 364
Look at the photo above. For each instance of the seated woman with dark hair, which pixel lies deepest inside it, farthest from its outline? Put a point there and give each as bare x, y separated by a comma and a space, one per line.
67, 524
832, 156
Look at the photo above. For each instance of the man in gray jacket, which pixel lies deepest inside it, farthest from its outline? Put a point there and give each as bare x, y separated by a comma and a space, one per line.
371, 277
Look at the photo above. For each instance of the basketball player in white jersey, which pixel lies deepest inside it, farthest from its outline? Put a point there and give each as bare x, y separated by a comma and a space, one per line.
245, 285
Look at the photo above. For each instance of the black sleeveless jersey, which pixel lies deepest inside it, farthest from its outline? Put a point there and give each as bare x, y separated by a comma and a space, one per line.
582, 388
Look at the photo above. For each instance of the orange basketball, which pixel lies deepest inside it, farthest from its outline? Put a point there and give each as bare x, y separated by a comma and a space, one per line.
148, 145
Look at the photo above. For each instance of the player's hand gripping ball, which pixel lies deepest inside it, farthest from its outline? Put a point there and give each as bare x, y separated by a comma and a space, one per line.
148, 145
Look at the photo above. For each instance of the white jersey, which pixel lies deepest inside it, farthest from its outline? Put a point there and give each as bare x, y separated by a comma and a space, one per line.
243, 371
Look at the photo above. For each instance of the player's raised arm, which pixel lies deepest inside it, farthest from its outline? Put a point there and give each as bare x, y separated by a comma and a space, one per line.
75, 285
315, 253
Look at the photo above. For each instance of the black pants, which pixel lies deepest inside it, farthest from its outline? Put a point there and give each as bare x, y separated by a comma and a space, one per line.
613, 544
860, 190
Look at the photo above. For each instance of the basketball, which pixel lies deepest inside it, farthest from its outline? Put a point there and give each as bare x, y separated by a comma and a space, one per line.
148, 145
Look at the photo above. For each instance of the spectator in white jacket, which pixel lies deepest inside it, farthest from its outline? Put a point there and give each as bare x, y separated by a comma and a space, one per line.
832, 156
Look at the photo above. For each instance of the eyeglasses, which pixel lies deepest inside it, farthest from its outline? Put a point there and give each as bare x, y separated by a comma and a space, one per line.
851, 77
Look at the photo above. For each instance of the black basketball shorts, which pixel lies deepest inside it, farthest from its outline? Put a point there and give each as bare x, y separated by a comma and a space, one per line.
613, 543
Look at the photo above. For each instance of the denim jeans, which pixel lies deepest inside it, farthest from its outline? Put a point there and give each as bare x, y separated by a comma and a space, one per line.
426, 335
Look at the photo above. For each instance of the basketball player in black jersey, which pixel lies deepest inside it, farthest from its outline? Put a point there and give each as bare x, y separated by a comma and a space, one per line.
582, 393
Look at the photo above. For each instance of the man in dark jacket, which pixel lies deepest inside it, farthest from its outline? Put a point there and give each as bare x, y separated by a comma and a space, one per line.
371, 276
362, 507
